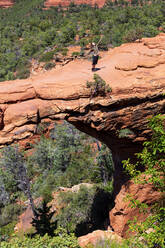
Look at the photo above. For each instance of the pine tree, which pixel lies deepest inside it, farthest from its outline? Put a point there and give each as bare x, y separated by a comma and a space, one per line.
13, 162
42, 220
105, 162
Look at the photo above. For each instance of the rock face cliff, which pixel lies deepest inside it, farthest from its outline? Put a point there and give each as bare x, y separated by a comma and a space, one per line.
6, 3
135, 73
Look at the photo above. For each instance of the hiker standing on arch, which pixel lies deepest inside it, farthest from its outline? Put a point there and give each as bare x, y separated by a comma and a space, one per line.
95, 55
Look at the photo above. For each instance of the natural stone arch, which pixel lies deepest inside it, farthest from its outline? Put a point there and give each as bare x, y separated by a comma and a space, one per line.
135, 72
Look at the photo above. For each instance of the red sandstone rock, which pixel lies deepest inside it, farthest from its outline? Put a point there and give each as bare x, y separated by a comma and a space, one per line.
122, 212
65, 3
134, 71
25, 219
6, 3
24, 225
98, 236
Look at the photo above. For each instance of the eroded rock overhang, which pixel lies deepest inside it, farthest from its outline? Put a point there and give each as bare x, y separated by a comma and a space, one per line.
135, 73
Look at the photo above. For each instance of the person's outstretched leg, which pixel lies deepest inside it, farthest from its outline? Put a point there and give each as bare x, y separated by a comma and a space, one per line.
93, 67
94, 62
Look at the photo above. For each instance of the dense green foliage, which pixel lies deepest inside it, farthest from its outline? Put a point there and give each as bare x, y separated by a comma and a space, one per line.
152, 157
12, 181
84, 211
110, 244
67, 158
27, 31
66, 154
61, 240
151, 232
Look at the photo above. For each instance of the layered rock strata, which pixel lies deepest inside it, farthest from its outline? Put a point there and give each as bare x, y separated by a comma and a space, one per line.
135, 73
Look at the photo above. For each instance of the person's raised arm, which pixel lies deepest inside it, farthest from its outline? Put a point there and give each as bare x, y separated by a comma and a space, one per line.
100, 40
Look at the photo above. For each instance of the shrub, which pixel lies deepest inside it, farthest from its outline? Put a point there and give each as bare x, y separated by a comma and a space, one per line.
61, 240
124, 133
64, 51
133, 34
98, 86
9, 213
150, 31
42, 128
10, 76
6, 231
49, 66
75, 54
46, 57
85, 210
23, 73
105, 163
110, 244
152, 159
83, 42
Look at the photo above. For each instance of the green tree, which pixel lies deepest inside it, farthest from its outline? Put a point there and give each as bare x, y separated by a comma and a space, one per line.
42, 220
152, 159
105, 163
13, 163
45, 155
4, 196
84, 211
133, 34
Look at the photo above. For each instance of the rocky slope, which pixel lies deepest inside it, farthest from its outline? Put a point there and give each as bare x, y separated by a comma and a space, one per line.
134, 71
6, 3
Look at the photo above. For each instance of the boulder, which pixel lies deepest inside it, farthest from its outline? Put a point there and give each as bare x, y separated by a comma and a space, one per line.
97, 237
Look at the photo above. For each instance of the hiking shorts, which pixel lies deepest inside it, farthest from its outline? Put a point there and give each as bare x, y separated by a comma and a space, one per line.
95, 59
